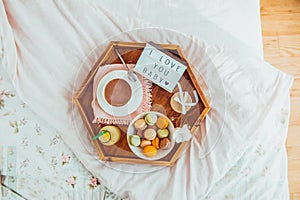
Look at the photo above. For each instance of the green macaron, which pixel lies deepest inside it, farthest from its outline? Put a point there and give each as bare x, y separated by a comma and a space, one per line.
135, 140
163, 133
151, 119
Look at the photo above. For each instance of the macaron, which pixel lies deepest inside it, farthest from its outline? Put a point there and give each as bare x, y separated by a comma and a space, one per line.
164, 143
145, 143
140, 133
151, 119
149, 134
135, 140
162, 122
163, 133
140, 124
153, 127
150, 151
155, 143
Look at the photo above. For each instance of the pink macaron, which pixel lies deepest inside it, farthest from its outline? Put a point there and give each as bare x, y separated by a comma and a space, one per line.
145, 143
140, 124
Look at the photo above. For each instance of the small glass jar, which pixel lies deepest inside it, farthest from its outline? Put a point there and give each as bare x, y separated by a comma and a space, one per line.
109, 135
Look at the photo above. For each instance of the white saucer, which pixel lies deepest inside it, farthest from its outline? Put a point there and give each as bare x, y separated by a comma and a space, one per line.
135, 99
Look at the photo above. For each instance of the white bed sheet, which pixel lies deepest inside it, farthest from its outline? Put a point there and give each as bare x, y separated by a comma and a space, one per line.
234, 24
39, 152
253, 156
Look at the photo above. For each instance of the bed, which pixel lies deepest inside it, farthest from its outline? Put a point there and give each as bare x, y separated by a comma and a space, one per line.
41, 159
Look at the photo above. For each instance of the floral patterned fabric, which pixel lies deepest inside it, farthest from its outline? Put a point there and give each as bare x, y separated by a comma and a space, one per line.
35, 161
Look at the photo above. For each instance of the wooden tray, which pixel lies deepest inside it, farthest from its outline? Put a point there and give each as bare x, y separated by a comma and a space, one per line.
120, 152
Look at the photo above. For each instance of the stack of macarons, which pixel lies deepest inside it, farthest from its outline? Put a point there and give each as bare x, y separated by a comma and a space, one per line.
151, 134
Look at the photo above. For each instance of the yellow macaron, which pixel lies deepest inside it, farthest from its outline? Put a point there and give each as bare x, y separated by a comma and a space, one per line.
155, 143
150, 151
162, 122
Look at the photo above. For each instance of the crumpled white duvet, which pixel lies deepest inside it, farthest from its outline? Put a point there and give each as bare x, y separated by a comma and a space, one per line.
46, 42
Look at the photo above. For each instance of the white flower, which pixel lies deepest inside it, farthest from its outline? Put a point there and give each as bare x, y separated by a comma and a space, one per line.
182, 134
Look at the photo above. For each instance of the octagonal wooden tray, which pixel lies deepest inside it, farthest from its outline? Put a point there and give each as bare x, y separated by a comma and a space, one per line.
120, 152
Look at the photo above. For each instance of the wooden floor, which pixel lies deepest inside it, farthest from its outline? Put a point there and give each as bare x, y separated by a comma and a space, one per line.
281, 38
